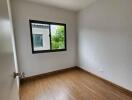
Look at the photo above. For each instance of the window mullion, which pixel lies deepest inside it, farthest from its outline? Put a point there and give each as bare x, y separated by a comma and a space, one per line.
50, 36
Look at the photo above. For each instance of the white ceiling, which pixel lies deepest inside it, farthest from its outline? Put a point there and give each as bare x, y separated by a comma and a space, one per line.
74, 5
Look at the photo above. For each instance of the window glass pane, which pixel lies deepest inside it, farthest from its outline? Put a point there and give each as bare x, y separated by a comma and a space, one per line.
38, 40
41, 39
57, 37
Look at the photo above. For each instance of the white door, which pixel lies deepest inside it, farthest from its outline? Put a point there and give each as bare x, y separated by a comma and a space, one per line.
9, 86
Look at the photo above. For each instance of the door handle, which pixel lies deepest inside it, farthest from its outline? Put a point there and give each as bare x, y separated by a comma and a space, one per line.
20, 75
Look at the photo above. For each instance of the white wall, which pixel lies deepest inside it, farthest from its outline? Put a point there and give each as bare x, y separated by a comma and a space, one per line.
46, 38
33, 64
105, 40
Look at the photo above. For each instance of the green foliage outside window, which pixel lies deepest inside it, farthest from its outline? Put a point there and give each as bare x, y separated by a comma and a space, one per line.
58, 38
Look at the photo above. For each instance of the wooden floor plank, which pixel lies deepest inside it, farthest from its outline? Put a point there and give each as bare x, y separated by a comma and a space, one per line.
74, 84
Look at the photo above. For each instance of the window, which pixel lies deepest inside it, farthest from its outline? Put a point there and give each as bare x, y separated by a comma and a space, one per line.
38, 40
47, 36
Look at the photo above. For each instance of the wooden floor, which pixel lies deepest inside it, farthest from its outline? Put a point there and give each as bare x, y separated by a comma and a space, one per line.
74, 84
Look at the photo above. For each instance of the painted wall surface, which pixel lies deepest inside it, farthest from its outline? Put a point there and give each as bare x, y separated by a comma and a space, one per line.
105, 40
46, 39
33, 64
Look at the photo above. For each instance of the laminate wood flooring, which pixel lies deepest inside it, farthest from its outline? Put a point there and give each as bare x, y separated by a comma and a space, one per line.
74, 84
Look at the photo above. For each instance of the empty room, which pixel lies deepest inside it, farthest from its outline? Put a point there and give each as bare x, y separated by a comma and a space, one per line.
65, 49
